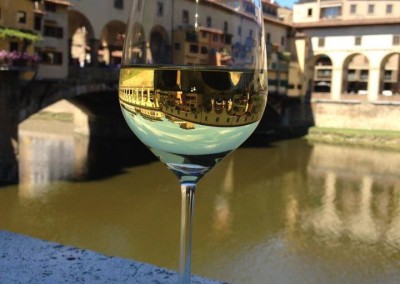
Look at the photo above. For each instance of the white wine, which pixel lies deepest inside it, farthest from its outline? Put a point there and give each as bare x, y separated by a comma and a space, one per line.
192, 117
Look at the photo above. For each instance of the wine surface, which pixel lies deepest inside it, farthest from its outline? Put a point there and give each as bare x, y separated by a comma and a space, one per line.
191, 118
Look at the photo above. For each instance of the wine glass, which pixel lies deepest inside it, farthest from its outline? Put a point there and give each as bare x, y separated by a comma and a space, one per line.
193, 87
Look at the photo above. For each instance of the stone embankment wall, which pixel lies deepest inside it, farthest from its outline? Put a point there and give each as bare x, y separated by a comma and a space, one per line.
367, 116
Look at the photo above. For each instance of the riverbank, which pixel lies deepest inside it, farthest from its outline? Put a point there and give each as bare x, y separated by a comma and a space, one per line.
382, 139
28, 260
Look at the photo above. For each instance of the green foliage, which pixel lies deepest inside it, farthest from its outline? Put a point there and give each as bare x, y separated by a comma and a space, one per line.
13, 33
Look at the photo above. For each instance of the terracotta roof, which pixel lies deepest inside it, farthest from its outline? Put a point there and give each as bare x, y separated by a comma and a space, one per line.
277, 21
60, 2
211, 30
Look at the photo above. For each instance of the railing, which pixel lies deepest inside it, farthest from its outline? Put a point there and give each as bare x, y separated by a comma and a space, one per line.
93, 74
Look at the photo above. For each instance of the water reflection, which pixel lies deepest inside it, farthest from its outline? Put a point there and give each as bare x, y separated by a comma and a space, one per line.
360, 188
291, 212
45, 158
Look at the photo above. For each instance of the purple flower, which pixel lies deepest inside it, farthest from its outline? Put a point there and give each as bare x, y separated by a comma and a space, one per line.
3, 54
15, 57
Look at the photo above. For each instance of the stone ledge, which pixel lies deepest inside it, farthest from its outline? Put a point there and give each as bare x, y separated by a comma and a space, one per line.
27, 260
389, 140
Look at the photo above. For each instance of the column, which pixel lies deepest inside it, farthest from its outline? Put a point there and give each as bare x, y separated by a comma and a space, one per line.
374, 79
94, 50
336, 83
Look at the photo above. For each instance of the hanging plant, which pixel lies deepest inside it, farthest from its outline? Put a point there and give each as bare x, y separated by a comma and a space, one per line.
14, 58
13, 33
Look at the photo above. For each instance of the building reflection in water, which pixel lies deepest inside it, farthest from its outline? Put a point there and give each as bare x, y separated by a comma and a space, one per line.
45, 158
360, 197
223, 215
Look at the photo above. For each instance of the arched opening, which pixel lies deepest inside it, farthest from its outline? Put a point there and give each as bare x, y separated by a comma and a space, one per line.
390, 77
322, 74
355, 75
81, 36
159, 46
112, 40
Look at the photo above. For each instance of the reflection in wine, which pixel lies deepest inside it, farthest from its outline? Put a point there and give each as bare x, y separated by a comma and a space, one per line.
198, 116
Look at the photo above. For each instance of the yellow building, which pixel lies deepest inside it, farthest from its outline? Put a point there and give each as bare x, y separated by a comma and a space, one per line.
34, 31
17, 29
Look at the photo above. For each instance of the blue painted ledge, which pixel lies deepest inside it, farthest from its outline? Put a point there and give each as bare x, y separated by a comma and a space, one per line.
27, 260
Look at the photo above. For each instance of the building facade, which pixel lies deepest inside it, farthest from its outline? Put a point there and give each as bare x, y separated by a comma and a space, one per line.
351, 47
34, 32
17, 31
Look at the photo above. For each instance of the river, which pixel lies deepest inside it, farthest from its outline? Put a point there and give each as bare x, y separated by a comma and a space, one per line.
271, 212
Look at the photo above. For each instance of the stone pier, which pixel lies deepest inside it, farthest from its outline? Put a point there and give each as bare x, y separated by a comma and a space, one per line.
9, 97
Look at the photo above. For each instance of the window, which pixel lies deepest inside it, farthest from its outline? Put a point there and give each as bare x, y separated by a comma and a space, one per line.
357, 40
389, 9
53, 31
309, 12
371, 8
177, 46
38, 23
51, 57
160, 9
21, 17
14, 46
215, 38
225, 26
204, 50
119, 4
396, 40
51, 7
331, 12
194, 48
228, 39
353, 8
388, 75
364, 75
185, 16
239, 32
282, 40
268, 38
321, 42
209, 21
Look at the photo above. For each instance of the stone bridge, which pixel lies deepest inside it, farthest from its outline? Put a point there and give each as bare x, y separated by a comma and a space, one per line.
93, 90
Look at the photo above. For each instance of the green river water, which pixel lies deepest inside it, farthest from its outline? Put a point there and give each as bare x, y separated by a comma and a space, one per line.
278, 212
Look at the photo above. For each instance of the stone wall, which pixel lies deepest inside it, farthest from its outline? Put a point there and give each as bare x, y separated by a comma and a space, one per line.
350, 115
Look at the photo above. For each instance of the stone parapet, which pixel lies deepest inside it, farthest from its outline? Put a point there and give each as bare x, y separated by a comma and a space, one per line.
28, 260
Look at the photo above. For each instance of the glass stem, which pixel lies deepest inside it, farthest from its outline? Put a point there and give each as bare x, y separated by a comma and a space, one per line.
188, 191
